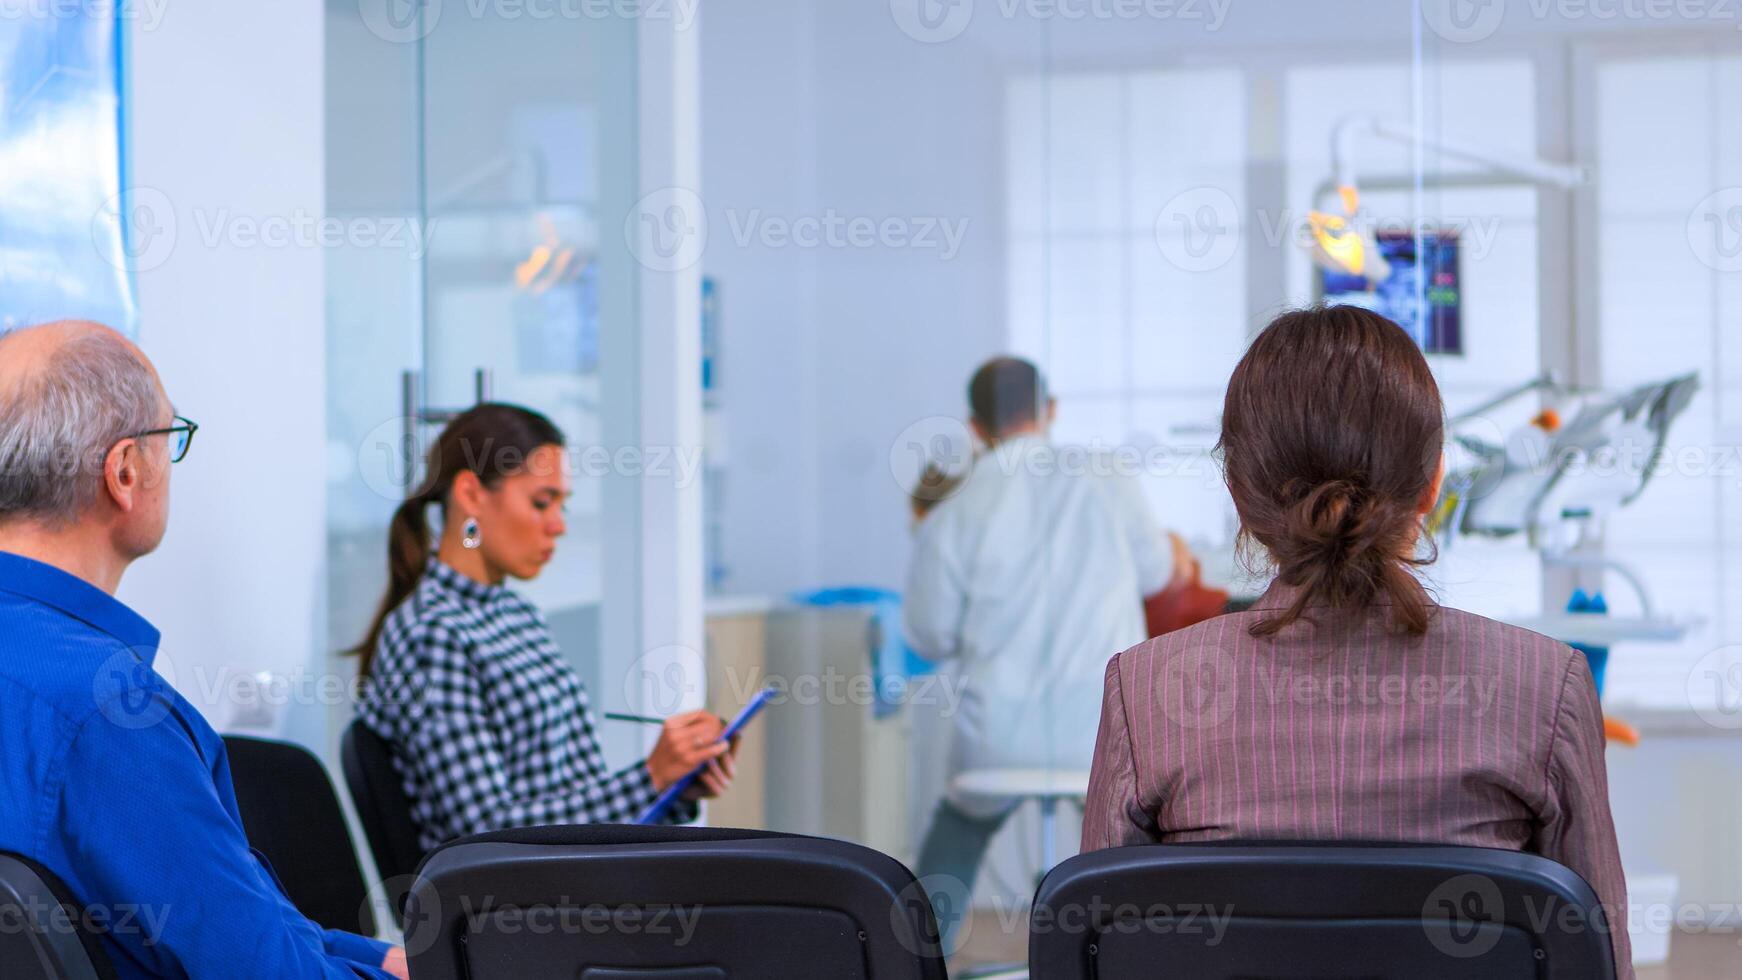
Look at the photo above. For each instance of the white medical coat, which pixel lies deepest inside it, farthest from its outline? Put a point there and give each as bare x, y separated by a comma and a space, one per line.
1032, 575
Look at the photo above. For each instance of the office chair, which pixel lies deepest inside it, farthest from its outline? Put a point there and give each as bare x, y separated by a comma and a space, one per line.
618, 902
1316, 911
42, 928
384, 810
292, 817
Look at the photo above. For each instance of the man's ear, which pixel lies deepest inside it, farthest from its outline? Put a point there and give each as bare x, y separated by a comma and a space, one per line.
122, 475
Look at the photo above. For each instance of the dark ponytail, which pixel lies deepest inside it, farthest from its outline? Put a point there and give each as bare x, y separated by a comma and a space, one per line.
490, 440
1331, 437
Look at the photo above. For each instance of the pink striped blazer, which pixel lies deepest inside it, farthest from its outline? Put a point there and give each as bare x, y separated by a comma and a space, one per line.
1477, 733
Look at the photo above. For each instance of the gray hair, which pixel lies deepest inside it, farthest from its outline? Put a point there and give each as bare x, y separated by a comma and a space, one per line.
58, 424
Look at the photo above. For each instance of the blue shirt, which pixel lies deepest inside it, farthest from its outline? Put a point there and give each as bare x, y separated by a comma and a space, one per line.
113, 781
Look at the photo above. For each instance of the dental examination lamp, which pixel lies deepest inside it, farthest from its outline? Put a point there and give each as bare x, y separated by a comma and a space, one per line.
1344, 243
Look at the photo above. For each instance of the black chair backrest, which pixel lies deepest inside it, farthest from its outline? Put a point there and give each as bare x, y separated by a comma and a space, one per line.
617, 902
44, 932
1310, 912
292, 816
383, 808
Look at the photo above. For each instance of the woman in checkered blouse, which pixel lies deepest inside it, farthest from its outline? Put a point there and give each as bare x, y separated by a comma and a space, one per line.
491, 728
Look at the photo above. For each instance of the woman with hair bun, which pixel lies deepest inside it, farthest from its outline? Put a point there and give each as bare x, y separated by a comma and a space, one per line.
1346, 704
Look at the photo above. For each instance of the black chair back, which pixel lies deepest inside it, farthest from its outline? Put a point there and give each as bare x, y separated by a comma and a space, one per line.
292, 817
615, 902
43, 931
383, 808
1311, 912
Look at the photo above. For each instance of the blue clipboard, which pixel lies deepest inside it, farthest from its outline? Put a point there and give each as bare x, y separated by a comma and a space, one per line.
675, 790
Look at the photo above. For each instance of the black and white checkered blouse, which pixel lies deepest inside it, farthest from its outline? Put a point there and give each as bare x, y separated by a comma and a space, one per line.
491, 728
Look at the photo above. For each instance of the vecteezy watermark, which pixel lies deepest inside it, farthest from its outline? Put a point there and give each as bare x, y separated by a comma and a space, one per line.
134, 688
1714, 688
569, 918
1096, 915
668, 230
674, 678
938, 442
945, 443
391, 466
1203, 691
140, 15
948, 927
138, 230
1198, 230
1466, 915
1469, 21
1360, 686
831, 229
1633, 457
1200, 691
406, 21
31, 915
1463, 21
1461, 916
135, 229
937, 21
1715, 229
1201, 229
666, 680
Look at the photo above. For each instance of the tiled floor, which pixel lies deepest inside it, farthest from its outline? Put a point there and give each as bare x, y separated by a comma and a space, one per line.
1692, 956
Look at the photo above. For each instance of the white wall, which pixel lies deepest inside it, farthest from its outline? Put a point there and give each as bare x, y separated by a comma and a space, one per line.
226, 122
829, 353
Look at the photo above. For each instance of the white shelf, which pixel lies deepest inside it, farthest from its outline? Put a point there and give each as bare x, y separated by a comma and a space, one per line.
1593, 629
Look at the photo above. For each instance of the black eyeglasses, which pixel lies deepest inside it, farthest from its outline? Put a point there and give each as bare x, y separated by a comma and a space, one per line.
181, 437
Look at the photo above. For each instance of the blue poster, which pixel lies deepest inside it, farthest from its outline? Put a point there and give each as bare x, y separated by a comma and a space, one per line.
62, 235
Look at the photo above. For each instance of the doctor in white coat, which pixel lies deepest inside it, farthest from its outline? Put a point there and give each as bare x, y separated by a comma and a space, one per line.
1032, 576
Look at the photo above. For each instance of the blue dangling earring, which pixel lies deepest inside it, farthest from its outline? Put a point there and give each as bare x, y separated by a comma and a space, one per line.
470, 536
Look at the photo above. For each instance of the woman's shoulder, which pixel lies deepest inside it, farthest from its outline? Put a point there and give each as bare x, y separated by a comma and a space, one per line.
1481, 641
429, 615
1486, 642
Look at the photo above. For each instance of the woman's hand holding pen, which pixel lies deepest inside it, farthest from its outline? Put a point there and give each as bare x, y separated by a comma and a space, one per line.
687, 741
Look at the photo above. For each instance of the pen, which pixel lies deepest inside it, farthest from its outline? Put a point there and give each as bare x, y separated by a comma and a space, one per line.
643, 719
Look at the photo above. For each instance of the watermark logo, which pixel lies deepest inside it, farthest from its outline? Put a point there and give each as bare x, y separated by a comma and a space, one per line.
140, 15
391, 455
1459, 913
666, 680
1714, 688
952, 919
1198, 230
1200, 690
1463, 21
400, 21
932, 21
134, 689
667, 231
1715, 230
937, 442
833, 229
422, 909
135, 229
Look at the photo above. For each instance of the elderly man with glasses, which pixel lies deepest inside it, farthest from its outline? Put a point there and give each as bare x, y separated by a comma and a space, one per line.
108, 777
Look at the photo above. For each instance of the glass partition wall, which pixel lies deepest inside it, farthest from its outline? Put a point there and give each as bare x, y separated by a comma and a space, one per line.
510, 149
890, 195
1123, 196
